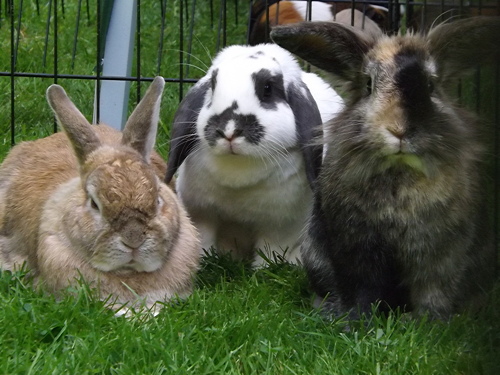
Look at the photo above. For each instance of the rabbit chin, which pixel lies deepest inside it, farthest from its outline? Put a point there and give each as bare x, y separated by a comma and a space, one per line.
127, 265
226, 147
401, 159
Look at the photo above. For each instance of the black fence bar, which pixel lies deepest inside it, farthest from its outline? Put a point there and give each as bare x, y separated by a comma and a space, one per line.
12, 77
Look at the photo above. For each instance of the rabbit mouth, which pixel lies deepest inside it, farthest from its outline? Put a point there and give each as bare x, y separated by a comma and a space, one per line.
407, 159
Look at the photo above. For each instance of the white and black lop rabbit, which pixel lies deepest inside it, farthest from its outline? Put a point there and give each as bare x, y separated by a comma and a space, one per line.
240, 142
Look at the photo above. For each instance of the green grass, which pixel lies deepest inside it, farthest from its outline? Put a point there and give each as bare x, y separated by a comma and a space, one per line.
238, 321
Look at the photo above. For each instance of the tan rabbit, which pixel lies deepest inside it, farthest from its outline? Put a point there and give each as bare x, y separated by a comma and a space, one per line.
91, 202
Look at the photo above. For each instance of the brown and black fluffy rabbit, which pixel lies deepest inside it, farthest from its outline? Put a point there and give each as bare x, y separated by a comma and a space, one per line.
400, 211
90, 202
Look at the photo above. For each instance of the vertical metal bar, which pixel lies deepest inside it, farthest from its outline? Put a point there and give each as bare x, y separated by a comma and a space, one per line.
249, 24
47, 28
163, 4
88, 12
236, 11
138, 46
212, 13
190, 37
97, 111
353, 6
219, 27
12, 80
496, 172
409, 14
181, 50
18, 33
266, 28
55, 53
224, 24
397, 16
75, 39
390, 15
423, 19
478, 73
277, 15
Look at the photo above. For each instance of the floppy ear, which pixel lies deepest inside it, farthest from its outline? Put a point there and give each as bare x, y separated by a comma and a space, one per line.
79, 131
183, 136
337, 49
308, 127
141, 127
461, 45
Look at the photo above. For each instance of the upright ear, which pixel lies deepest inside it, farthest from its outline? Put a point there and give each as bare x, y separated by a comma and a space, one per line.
142, 125
79, 131
461, 45
336, 48
308, 125
183, 136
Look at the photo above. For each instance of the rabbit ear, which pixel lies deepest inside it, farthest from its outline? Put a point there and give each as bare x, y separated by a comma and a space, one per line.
140, 129
461, 45
183, 136
308, 125
338, 49
79, 131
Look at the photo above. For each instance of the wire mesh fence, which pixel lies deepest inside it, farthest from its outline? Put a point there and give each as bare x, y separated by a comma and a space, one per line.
63, 41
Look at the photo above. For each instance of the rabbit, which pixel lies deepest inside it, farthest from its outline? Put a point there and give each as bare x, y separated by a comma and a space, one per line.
91, 202
265, 14
240, 140
400, 216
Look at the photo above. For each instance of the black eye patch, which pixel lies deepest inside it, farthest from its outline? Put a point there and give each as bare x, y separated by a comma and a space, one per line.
269, 88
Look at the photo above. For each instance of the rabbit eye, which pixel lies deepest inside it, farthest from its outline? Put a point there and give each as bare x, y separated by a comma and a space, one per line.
94, 205
159, 202
369, 86
430, 86
268, 90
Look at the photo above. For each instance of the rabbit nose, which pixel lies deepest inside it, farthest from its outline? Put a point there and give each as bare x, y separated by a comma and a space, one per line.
397, 132
133, 243
229, 134
133, 234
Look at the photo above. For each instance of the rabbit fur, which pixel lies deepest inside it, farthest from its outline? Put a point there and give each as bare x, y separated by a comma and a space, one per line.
240, 140
400, 215
91, 202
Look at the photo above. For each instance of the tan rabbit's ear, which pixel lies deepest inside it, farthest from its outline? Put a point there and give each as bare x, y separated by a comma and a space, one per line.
79, 131
140, 129
461, 45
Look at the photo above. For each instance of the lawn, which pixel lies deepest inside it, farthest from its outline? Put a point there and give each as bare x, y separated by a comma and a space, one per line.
238, 320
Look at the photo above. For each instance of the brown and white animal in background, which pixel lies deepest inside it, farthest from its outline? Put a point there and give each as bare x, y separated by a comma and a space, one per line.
287, 12
401, 211
240, 141
90, 202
